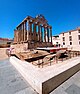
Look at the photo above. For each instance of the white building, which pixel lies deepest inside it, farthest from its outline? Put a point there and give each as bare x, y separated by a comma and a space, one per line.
56, 40
71, 39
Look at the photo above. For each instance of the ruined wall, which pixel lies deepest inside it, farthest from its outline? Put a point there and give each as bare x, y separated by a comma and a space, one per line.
20, 47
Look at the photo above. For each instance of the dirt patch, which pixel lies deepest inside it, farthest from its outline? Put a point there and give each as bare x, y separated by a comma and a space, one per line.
3, 53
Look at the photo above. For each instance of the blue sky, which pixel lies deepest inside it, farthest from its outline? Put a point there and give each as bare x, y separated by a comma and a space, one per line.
62, 15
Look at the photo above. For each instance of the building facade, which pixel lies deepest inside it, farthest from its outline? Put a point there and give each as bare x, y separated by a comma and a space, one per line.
56, 40
71, 39
34, 31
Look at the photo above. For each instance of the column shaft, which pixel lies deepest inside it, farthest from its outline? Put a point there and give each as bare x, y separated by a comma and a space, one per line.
30, 33
39, 36
48, 34
24, 30
28, 29
34, 33
51, 34
44, 34
14, 36
19, 35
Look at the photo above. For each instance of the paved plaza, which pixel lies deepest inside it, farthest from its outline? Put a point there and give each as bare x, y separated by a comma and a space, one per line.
11, 82
71, 86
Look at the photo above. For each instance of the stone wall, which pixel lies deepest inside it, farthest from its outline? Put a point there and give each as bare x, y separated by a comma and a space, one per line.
24, 46
46, 79
20, 47
54, 82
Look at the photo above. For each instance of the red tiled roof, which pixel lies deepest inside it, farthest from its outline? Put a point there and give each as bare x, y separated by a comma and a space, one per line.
4, 39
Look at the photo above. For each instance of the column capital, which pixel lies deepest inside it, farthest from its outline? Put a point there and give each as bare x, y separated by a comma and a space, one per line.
50, 27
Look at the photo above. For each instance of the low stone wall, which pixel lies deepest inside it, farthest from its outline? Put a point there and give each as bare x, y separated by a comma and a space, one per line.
46, 79
54, 82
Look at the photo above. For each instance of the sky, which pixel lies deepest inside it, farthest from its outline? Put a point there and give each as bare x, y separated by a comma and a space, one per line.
62, 15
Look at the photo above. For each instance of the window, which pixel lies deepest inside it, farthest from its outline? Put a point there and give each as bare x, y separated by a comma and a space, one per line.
70, 38
56, 42
79, 37
79, 42
63, 43
70, 43
63, 34
78, 31
63, 38
69, 33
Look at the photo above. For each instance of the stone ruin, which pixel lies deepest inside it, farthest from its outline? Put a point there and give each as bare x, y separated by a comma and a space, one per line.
32, 33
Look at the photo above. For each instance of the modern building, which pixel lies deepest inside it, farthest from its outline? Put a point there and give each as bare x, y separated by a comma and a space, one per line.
71, 39
33, 32
56, 40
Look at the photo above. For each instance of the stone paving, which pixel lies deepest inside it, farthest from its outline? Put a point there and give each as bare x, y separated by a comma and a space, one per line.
71, 86
11, 82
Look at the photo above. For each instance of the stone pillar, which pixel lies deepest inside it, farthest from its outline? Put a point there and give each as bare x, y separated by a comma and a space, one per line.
28, 29
24, 30
34, 33
39, 36
22, 33
44, 34
51, 33
19, 36
48, 34
14, 35
30, 33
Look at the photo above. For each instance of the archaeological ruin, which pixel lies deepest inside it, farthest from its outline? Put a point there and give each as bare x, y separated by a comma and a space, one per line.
34, 32
44, 67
